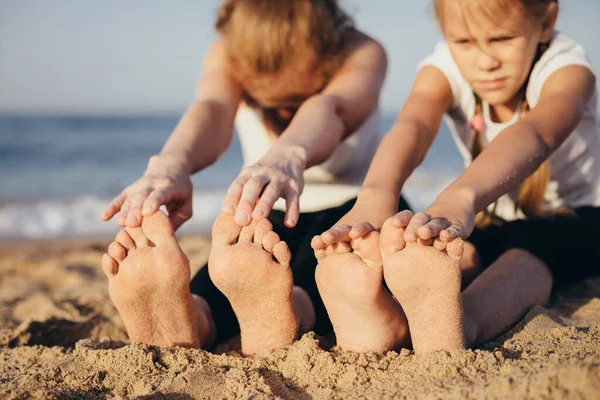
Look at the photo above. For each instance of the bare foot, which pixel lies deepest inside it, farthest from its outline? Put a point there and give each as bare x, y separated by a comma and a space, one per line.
426, 282
250, 265
148, 282
364, 315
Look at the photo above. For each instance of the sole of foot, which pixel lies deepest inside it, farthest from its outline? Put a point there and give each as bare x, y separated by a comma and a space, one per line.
251, 266
148, 281
364, 315
426, 281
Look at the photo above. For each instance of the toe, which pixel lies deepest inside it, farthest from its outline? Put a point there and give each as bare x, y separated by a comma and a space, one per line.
367, 248
454, 248
282, 253
138, 236
320, 254
439, 244
225, 230
158, 228
125, 240
270, 240
247, 233
263, 227
109, 265
117, 252
391, 239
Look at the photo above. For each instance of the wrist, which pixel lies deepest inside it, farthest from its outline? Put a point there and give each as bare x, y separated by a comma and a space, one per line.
289, 153
168, 163
459, 197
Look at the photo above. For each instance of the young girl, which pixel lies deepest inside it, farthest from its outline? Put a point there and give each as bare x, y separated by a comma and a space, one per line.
520, 100
302, 85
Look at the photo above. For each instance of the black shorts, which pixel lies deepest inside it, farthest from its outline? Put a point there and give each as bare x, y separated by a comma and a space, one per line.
303, 266
568, 243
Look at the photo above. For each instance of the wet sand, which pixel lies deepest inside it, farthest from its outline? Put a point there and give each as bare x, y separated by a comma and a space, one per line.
61, 338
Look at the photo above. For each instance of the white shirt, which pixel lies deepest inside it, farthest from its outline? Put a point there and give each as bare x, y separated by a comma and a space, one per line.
326, 185
574, 166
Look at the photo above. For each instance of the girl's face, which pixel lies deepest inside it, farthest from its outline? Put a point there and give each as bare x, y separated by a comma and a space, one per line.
284, 92
494, 54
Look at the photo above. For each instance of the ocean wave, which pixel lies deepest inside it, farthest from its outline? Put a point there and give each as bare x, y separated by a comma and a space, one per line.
79, 216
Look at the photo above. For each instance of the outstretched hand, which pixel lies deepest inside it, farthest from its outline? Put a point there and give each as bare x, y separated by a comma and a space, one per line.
254, 192
161, 185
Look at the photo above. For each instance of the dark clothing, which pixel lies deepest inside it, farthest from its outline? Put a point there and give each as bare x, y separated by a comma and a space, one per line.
568, 243
303, 266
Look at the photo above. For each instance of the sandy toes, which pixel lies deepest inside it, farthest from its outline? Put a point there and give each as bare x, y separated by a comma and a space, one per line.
250, 265
364, 315
148, 282
426, 282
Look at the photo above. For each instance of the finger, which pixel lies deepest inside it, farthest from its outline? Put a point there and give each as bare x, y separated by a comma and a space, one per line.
339, 233
452, 232
113, 207
433, 228
134, 216
123, 214
250, 193
292, 206
360, 230
180, 215
266, 201
402, 219
153, 202
232, 198
418, 220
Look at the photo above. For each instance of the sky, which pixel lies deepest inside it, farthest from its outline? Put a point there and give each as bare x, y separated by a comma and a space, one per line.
115, 57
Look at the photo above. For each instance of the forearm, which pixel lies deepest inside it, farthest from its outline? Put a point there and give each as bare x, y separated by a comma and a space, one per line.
201, 136
313, 134
399, 154
500, 168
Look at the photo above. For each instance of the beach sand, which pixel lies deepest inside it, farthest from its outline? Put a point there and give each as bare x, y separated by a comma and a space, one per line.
61, 338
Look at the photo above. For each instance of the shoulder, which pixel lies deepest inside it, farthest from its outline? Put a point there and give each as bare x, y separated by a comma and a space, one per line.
361, 50
562, 53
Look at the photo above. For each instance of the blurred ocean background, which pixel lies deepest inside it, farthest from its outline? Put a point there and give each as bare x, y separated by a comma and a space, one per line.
90, 90
58, 173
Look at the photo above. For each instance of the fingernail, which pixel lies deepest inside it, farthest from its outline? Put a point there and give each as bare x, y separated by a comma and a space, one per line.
291, 221
229, 208
147, 208
259, 213
242, 216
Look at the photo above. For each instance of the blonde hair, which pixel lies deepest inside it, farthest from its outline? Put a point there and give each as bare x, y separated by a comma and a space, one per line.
263, 37
530, 198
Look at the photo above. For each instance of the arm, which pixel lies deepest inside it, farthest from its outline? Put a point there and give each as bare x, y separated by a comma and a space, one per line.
201, 136
316, 130
399, 154
503, 164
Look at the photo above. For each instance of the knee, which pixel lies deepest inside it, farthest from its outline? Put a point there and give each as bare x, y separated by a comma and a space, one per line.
537, 268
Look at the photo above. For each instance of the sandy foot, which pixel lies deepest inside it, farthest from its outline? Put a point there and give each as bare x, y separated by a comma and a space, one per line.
250, 265
364, 315
426, 281
148, 282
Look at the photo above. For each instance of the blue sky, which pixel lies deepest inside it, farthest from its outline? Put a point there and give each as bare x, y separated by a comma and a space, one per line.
144, 56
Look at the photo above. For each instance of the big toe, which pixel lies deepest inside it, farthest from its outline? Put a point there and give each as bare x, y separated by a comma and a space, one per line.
225, 230
158, 228
391, 239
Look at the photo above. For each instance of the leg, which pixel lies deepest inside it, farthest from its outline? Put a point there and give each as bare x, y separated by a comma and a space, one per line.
426, 281
364, 314
148, 277
503, 293
250, 265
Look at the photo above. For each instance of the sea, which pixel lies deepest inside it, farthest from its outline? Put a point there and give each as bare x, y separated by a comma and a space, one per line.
57, 173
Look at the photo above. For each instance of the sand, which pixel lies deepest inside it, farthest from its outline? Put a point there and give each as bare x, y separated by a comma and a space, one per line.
61, 338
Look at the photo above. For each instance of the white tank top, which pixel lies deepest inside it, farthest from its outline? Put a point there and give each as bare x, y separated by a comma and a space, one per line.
326, 185
574, 166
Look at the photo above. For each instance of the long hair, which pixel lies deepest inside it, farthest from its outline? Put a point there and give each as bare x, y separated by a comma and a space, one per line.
531, 194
